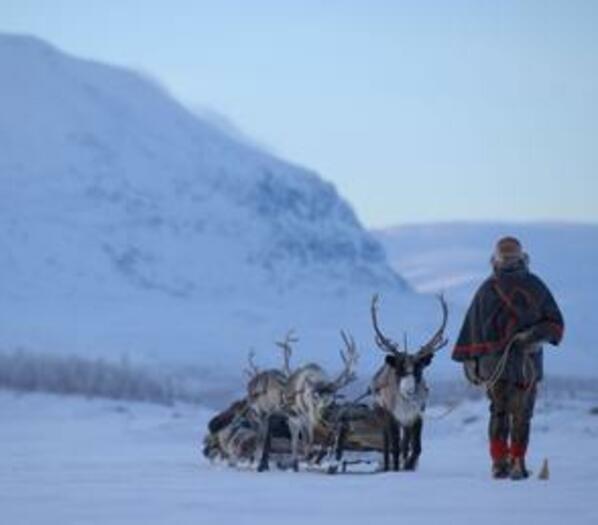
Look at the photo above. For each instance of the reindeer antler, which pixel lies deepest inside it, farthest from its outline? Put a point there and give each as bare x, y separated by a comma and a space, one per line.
437, 341
252, 370
350, 358
384, 343
289, 339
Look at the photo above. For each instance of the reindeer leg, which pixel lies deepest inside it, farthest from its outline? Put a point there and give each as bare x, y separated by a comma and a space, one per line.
259, 444
294, 428
416, 444
340, 436
266, 439
309, 443
387, 441
395, 436
405, 444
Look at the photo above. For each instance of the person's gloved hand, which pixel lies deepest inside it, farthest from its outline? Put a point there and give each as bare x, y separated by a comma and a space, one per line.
471, 367
526, 337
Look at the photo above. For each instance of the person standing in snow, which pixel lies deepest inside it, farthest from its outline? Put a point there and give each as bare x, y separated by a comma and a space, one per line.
511, 315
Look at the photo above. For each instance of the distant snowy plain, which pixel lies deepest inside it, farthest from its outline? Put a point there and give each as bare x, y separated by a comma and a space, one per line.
75, 461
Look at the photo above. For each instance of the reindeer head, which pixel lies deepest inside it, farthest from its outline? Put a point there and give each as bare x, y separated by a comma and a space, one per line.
408, 368
265, 388
311, 389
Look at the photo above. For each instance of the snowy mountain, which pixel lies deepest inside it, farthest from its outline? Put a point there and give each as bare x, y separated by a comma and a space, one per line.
131, 226
454, 257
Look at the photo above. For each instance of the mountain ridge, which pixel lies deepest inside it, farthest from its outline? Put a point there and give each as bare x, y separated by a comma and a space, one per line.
133, 226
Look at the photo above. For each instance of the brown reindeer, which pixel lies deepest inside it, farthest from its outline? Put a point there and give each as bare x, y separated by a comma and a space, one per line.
400, 391
232, 435
400, 394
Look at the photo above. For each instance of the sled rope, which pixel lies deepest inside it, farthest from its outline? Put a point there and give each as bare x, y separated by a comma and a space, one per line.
490, 383
529, 371
527, 360
449, 410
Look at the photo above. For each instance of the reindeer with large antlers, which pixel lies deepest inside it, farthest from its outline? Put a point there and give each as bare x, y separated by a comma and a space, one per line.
266, 397
309, 393
400, 391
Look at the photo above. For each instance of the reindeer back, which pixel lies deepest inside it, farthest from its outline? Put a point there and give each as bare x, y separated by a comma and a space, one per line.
266, 391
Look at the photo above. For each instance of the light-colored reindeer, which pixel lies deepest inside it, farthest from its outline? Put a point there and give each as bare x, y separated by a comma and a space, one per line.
309, 392
400, 391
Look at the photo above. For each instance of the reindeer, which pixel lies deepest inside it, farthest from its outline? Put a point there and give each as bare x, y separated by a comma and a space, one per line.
309, 392
266, 392
400, 392
232, 434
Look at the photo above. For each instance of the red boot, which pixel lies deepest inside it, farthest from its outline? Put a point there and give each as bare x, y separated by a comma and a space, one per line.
518, 469
501, 466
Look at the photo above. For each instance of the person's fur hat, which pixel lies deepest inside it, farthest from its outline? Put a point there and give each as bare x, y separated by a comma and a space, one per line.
508, 253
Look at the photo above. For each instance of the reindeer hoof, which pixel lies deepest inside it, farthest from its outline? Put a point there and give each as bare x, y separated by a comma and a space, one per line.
411, 465
296, 466
332, 469
262, 467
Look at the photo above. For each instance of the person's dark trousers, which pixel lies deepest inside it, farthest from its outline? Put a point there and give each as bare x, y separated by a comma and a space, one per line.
511, 410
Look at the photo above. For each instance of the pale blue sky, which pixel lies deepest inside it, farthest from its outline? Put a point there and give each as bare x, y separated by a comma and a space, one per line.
417, 111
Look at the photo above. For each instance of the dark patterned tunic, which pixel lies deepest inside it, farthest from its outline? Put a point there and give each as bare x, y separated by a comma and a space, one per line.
507, 303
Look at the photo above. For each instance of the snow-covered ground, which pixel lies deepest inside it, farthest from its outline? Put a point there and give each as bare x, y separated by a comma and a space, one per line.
76, 461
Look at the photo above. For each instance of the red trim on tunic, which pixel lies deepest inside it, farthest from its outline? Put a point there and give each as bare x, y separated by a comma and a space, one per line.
507, 300
489, 346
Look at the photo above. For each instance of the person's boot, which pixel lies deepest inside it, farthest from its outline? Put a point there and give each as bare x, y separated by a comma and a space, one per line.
501, 468
499, 451
518, 470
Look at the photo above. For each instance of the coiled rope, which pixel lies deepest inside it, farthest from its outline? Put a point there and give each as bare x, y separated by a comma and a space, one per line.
528, 370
